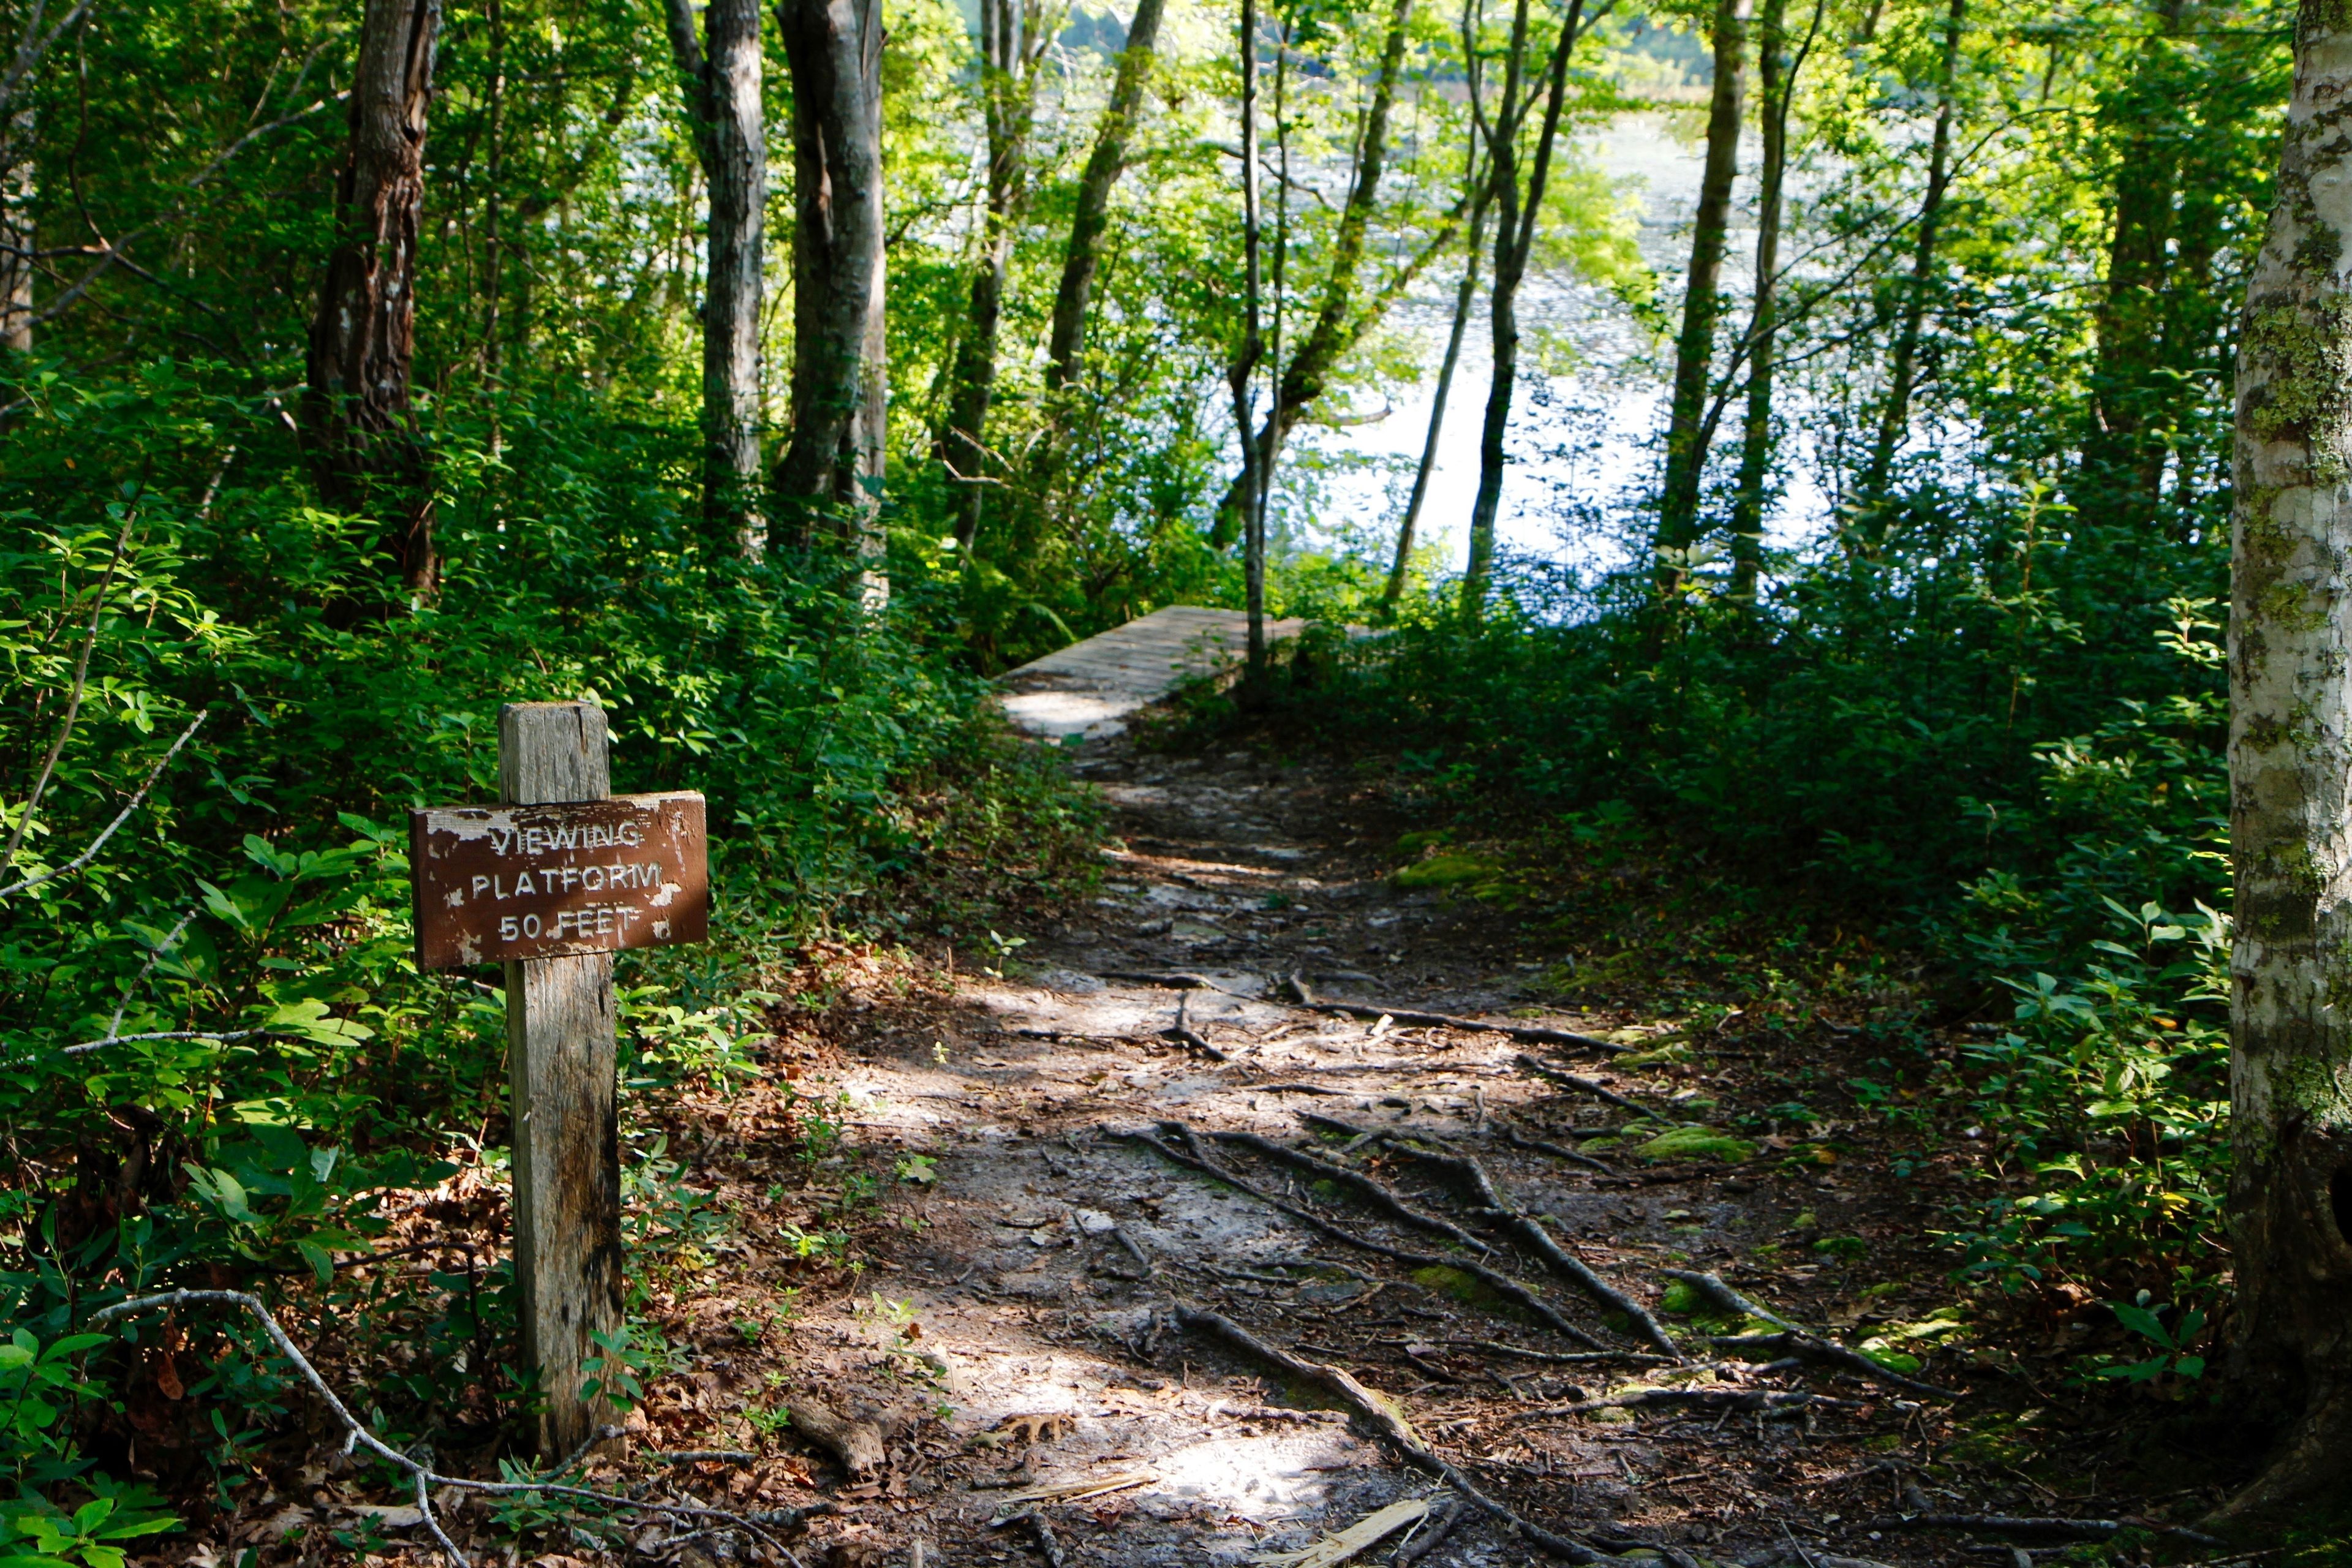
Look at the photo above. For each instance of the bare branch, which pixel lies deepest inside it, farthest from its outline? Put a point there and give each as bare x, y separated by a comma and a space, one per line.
84, 858
425, 1477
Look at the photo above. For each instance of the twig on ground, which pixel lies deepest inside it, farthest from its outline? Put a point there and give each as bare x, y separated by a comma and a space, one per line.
1493, 1279
1530, 1230
1192, 1039
1545, 1070
1772, 1400
1393, 1427
1430, 1534
424, 1478
1795, 1341
697, 1455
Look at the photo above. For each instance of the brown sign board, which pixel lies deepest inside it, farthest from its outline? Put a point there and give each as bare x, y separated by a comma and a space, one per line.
495, 882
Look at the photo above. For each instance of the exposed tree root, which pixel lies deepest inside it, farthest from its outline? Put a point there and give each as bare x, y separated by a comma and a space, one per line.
1377, 1191
1518, 1140
1551, 1074
856, 1441
1773, 1400
1391, 1425
1797, 1341
1502, 1284
1529, 1230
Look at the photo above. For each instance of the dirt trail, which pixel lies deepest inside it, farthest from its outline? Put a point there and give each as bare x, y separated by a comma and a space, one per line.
1022, 1329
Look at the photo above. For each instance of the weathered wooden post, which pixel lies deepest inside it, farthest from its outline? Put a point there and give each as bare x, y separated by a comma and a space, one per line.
552, 883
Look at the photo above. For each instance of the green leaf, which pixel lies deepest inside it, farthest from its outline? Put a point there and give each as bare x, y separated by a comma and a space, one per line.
2143, 1322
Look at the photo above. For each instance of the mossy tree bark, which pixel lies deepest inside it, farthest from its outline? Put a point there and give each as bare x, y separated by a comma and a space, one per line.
831, 467
1694, 346
722, 87
2291, 821
359, 423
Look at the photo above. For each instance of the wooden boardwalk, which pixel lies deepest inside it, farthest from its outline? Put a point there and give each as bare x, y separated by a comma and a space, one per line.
1091, 687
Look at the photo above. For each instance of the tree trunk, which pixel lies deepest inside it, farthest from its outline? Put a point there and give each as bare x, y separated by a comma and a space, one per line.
1515, 215
1694, 348
1894, 414
17, 237
1244, 362
1463, 296
359, 424
2289, 755
831, 470
1105, 164
1776, 87
1338, 322
1010, 53
723, 90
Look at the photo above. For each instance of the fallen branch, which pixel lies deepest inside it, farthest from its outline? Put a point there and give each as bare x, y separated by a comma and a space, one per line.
1391, 1426
1795, 1341
1525, 1034
2048, 1528
424, 1478
1500, 1283
1429, 1535
1773, 1400
1530, 1230
1567, 1079
1566, 1358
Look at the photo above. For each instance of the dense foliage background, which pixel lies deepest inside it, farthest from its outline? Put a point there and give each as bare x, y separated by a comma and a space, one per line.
1974, 700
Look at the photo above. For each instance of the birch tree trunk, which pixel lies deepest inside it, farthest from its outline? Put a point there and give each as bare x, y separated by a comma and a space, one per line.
1901, 377
1695, 347
1516, 215
831, 467
359, 422
1105, 164
2291, 820
723, 87
1013, 37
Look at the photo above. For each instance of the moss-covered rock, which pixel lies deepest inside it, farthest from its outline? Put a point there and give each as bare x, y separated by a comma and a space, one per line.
1447, 871
1696, 1142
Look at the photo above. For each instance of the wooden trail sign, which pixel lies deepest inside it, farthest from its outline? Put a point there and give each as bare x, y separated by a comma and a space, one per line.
554, 880
554, 883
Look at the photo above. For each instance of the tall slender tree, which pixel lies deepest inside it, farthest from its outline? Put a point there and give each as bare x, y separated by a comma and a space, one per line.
1902, 369
1518, 210
1013, 37
1776, 91
1338, 320
1242, 369
833, 464
1702, 298
1464, 293
2290, 670
359, 423
1083, 256
722, 91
